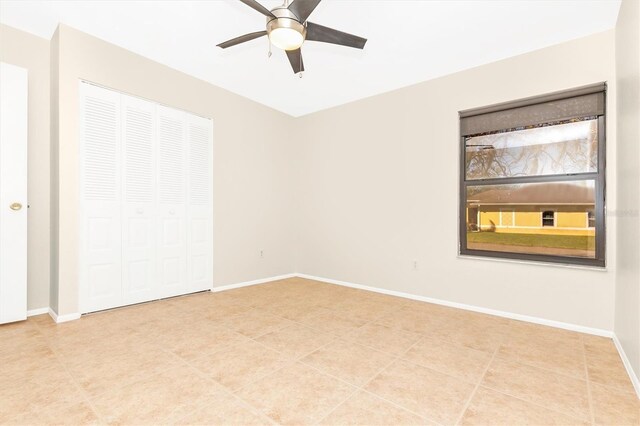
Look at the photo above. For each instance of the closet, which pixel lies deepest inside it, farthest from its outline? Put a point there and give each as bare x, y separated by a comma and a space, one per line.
146, 228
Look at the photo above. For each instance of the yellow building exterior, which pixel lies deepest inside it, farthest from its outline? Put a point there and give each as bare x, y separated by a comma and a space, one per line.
528, 219
557, 208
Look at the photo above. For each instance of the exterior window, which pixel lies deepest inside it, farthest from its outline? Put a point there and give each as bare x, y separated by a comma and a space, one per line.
532, 178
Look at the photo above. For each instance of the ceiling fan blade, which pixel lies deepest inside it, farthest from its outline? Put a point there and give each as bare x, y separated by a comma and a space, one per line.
242, 39
295, 58
257, 6
303, 8
317, 32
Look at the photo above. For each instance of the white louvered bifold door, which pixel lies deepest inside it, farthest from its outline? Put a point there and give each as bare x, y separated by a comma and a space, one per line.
200, 211
146, 229
139, 215
100, 234
172, 202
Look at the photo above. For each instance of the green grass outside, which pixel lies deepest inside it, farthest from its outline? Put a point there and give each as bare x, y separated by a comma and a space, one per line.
581, 242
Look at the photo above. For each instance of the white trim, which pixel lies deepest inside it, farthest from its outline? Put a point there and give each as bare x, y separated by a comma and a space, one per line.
63, 318
568, 228
627, 365
504, 314
531, 262
254, 282
39, 311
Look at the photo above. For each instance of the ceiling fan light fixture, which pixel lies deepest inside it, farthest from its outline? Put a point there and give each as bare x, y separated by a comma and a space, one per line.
286, 38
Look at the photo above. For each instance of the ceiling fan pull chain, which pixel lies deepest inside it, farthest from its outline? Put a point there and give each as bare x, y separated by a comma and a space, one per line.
269, 54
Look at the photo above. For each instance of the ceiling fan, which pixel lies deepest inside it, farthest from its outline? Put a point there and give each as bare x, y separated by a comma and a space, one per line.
288, 28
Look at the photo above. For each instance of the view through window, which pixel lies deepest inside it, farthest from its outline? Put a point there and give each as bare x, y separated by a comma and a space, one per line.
535, 191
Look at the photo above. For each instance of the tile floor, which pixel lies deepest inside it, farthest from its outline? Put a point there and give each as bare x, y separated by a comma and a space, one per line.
303, 352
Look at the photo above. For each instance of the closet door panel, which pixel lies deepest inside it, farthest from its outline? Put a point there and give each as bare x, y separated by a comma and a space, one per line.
200, 211
139, 270
100, 233
172, 202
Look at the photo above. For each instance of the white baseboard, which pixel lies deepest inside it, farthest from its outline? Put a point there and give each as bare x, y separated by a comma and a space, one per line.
627, 365
254, 282
63, 318
504, 314
39, 311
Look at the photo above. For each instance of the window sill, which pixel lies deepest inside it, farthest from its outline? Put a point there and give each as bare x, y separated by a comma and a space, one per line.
529, 262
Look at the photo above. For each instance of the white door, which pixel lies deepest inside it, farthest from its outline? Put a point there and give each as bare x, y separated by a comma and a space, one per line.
13, 193
139, 269
100, 164
172, 198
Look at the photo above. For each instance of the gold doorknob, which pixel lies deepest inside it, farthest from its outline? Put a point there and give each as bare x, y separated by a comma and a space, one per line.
15, 206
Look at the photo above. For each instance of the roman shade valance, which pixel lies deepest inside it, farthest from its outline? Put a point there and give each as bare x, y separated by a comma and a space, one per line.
587, 101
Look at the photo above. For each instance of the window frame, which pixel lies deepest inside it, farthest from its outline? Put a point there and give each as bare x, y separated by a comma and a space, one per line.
598, 177
555, 219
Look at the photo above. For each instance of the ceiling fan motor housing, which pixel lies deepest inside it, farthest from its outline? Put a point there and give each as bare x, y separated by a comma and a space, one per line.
285, 19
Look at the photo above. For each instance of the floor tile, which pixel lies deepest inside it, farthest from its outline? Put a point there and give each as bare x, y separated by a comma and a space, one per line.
256, 322
411, 320
476, 331
366, 409
605, 367
102, 373
179, 360
296, 395
383, 338
428, 393
488, 407
557, 392
330, 322
348, 361
458, 361
200, 339
612, 406
39, 387
162, 398
295, 340
224, 409
69, 413
545, 353
241, 364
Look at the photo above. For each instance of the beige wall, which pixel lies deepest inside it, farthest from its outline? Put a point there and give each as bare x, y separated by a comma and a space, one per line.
378, 189
627, 323
31, 52
252, 172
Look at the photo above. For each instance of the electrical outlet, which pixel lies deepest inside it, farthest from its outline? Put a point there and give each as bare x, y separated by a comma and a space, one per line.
415, 265
261, 253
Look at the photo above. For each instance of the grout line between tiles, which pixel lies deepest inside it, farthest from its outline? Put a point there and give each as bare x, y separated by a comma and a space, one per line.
362, 388
81, 390
473, 393
225, 390
530, 402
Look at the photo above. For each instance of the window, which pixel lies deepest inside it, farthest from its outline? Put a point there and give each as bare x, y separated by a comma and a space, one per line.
549, 218
532, 178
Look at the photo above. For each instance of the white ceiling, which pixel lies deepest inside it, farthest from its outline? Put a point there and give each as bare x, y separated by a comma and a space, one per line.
409, 41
